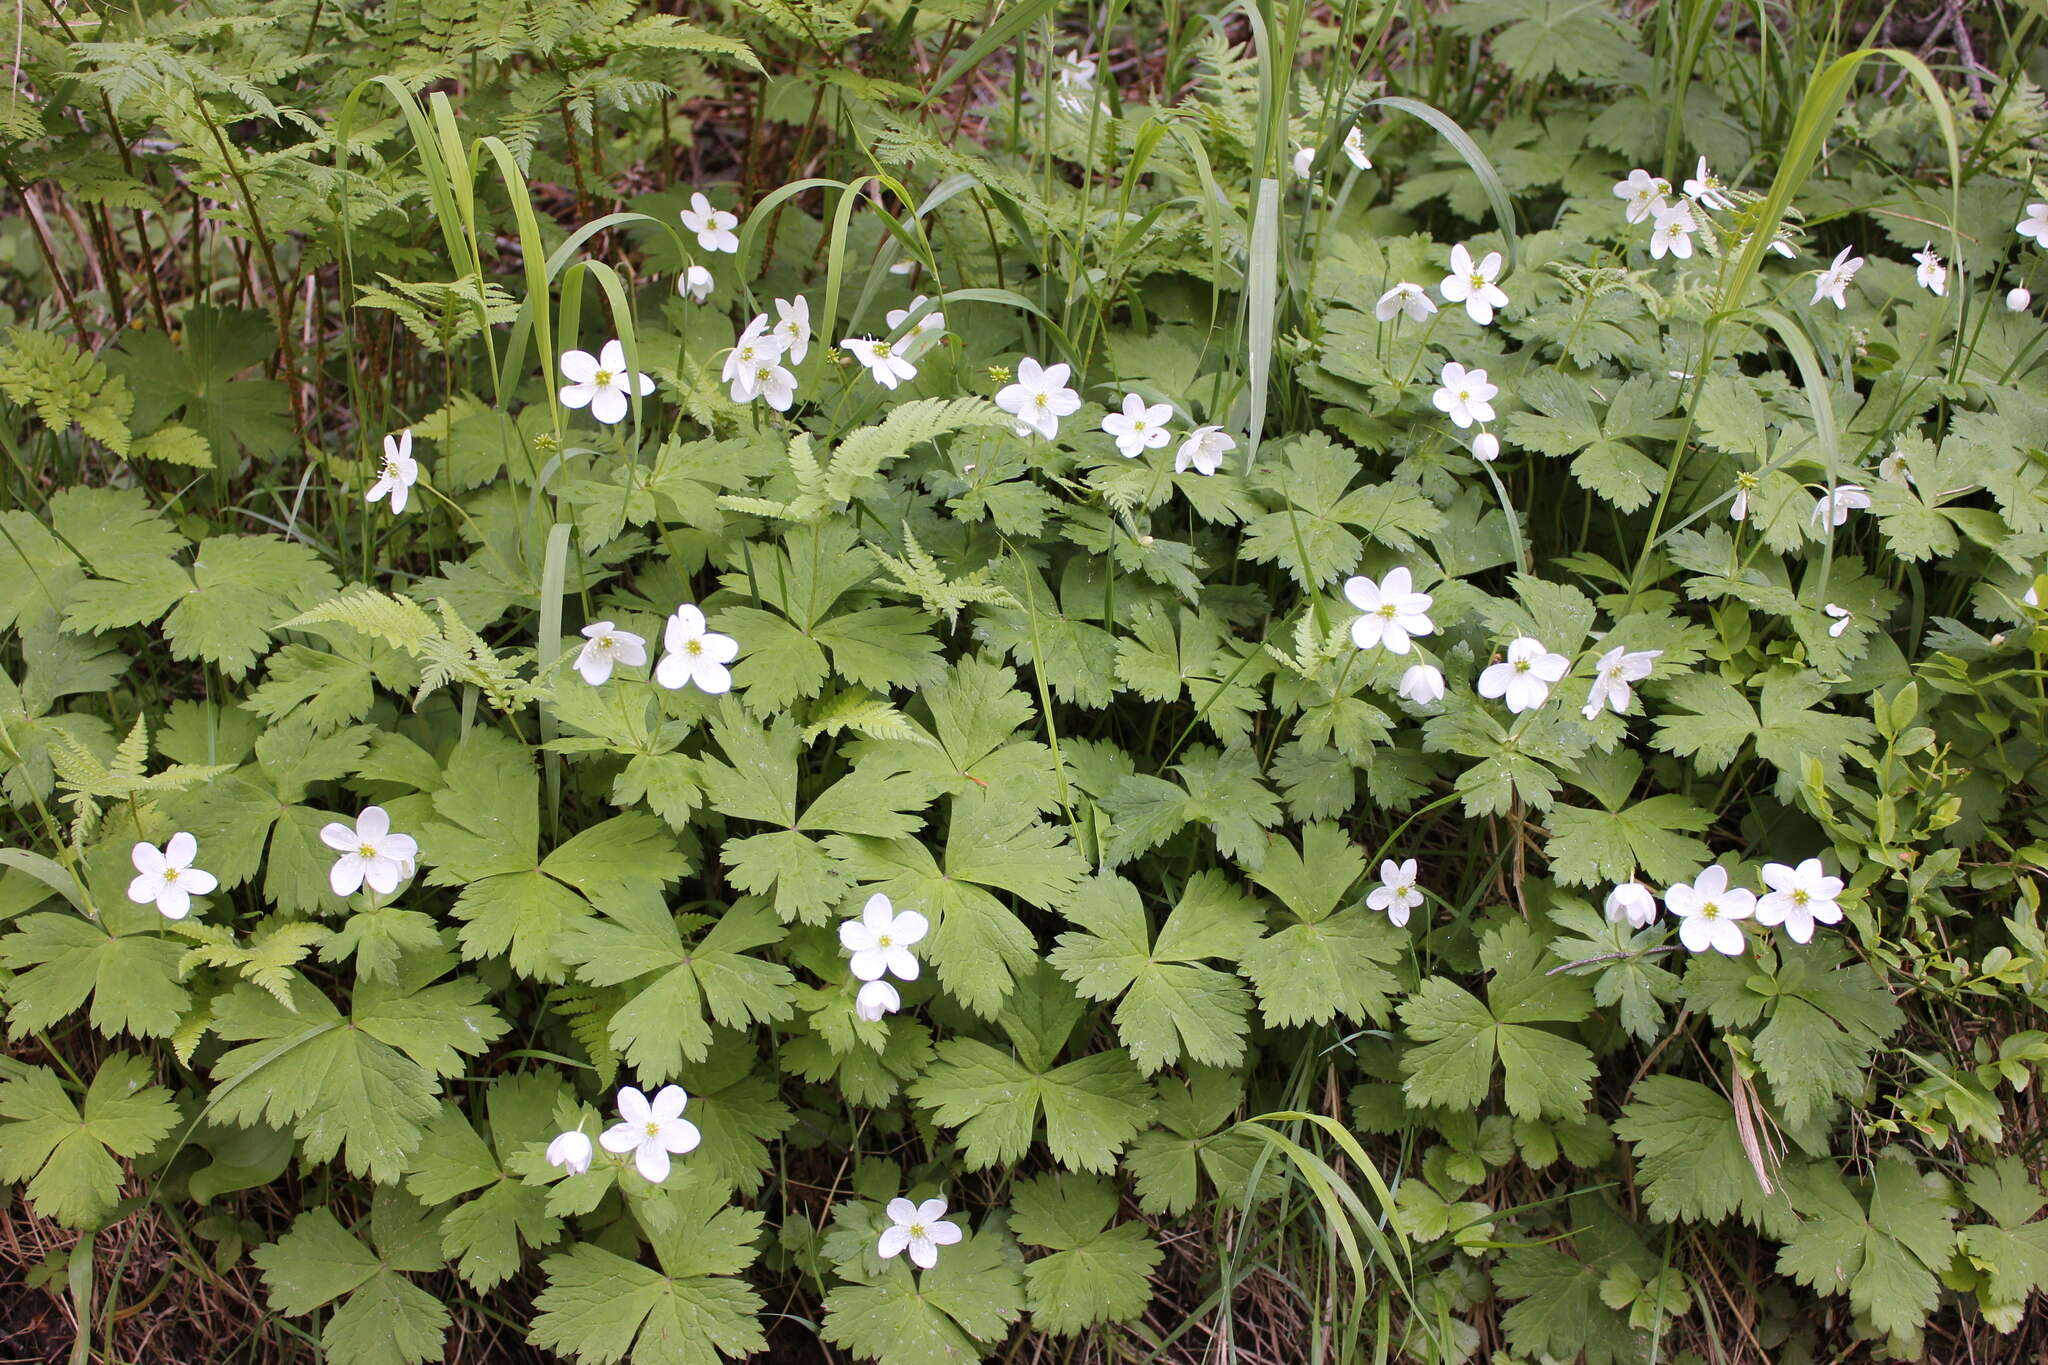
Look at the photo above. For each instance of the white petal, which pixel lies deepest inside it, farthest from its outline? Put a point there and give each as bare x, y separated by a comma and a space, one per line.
652, 1161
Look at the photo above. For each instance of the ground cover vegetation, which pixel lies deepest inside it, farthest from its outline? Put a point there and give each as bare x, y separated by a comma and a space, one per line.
915, 682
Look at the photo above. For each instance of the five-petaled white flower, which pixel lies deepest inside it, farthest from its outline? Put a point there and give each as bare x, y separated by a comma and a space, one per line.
1833, 508
1203, 450
1644, 192
2018, 299
694, 284
2035, 224
606, 645
1707, 189
1831, 283
1673, 232
885, 362
714, 227
652, 1130
1394, 611
601, 382
1039, 398
1139, 427
1397, 893
1354, 148
1840, 616
1486, 447
1634, 902
1894, 469
1404, 297
881, 939
922, 1228
369, 853
1711, 911
1799, 898
399, 472
875, 1000
756, 347
774, 384
1074, 82
1423, 684
1465, 395
696, 654
1524, 677
1930, 273
1473, 285
923, 334
1618, 668
165, 876
570, 1151
793, 327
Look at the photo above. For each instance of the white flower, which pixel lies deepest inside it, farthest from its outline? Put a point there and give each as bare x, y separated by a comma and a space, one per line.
693, 284
885, 362
714, 227
1394, 611
1473, 285
793, 327
923, 333
166, 876
652, 1130
1422, 684
1354, 148
1465, 395
1486, 447
570, 1151
1304, 161
1644, 192
1074, 79
773, 384
1397, 893
606, 646
1203, 450
920, 1227
695, 654
1039, 398
1673, 232
1799, 898
1404, 297
1139, 427
600, 382
369, 853
1611, 678
2035, 224
399, 472
1711, 911
1833, 508
1525, 676
1707, 188
880, 940
1842, 617
1931, 274
2019, 299
755, 348
1893, 468
875, 1000
1830, 283
1634, 902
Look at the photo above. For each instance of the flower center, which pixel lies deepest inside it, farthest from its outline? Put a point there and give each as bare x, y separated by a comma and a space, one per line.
390, 470
1464, 395
367, 851
603, 379
653, 1128
170, 874
1138, 424
1710, 910
1388, 610
1521, 665
1801, 897
1039, 399
1478, 280
917, 1232
884, 940
694, 647
881, 350
607, 642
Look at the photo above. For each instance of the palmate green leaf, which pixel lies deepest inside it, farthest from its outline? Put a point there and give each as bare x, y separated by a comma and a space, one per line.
1097, 1272
680, 989
1709, 720
361, 1085
978, 715
1590, 847
1561, 1314
1689, 1157
942, 1316
1310, 477
383, 1318
242, 587
65, 1157
1883, 1252
1170, 1005
120, 963
1091, 1107
1326, 961
1829, 1015
1629, 976
1463, 1036
486, 1233
1166, 656
1222, 789
2011, 1250
1199, 1142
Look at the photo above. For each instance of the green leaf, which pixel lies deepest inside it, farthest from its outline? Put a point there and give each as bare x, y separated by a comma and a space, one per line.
1097, 1272
1198, 1139
1462, 1036
1829, 1015
67, 1158
120, 963
1310, 476
1589, 848
1561, 1314
1220, 788
383, 1317
242, 587
943, 1316
1327, 961
1884, 1255
1689, 1157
